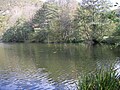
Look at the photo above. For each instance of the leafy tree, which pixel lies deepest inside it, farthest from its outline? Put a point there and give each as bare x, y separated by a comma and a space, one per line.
114, 16
91, 20
46, 21
19, 32
66, 17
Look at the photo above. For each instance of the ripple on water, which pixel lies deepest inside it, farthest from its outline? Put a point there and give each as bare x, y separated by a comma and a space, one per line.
20, 81
38, 80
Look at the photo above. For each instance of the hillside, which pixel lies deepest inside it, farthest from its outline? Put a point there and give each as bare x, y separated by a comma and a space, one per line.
12, 10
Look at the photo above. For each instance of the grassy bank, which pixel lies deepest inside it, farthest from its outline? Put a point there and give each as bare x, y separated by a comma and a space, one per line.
100, 80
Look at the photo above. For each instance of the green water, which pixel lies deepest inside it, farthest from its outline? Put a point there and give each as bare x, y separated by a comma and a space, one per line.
51, 67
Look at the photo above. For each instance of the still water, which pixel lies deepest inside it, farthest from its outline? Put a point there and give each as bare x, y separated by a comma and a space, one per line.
51, 67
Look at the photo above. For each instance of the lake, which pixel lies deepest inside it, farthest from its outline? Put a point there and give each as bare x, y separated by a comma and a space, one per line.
51, 66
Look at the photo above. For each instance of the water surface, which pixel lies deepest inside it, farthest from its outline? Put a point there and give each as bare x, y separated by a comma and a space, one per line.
51, 67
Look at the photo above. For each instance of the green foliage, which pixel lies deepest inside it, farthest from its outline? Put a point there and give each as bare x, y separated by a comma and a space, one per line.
9, 35
18, 33
117, 32
115, 38
39, 36
117, 22
53, 22
46, 20
101, 80
112, 40
91, 19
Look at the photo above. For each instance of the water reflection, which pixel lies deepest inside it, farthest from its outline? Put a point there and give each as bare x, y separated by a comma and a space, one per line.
50, 67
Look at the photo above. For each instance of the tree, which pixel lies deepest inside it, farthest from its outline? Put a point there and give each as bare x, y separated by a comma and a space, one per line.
66, 17
19, 32
115, 17
47, 21
91, 20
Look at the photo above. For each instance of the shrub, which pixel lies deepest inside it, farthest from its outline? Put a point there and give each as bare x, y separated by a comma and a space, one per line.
18, 33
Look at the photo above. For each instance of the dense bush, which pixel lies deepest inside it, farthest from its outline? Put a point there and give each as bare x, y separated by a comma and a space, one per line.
38, 36
18, 33
9, 35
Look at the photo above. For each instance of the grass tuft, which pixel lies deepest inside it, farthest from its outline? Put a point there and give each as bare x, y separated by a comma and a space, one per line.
100, 80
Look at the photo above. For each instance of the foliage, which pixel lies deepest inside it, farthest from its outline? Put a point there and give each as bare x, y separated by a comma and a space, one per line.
46, 21
3, 22
101, 80
18, 33
54, 22
91, 19
117, 30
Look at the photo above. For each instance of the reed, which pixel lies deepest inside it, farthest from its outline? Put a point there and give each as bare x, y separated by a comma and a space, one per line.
100, 80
